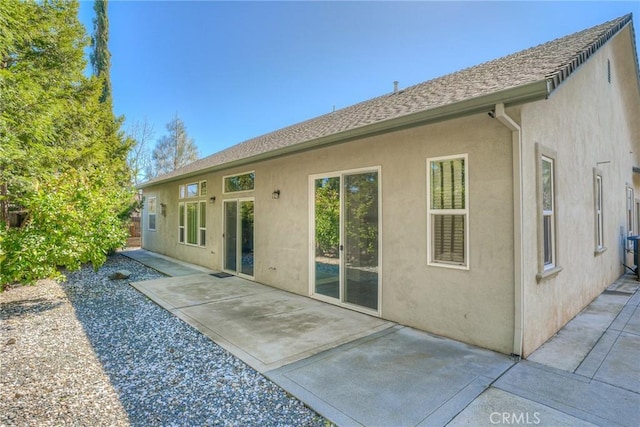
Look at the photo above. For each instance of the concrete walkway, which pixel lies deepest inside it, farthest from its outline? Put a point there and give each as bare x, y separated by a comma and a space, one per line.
355, 369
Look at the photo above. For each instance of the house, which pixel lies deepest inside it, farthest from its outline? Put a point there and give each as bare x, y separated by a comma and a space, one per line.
489, 205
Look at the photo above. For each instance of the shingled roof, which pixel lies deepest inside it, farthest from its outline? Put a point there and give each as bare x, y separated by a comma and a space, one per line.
529, 75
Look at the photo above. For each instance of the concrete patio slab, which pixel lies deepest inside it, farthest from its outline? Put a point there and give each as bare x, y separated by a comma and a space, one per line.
263, 326
589, 400
356, 369
569, 347
497, 407
397, 377
164, 264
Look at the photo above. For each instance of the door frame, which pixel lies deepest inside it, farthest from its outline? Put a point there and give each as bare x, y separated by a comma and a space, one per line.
312, 241
239, 236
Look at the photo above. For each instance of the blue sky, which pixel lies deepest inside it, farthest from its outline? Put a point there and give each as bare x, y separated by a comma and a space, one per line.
236, 70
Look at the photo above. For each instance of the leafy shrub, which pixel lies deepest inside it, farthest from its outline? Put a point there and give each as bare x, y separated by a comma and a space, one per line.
74, 218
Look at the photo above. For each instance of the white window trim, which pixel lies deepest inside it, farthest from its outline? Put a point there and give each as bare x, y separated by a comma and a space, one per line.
432, 212
154, 213
598, 208
546, 271
239, 174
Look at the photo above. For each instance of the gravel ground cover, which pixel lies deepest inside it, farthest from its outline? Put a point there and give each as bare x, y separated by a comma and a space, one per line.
94, 351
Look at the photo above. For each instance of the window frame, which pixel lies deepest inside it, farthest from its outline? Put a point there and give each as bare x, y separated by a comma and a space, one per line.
431, 213
153, 213
547, 270
224, 180
598, 208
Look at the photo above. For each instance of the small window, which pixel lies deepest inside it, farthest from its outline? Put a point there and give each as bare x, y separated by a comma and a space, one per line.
448, 212
237, 183
192, 190
181, 222
598, 208
151, 214
183, 191
203, 188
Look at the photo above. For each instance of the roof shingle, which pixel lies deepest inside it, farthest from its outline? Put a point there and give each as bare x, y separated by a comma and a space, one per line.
552, 62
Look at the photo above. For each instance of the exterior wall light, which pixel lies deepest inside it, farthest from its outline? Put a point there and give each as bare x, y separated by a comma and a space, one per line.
163, 209
212, 199
275, 194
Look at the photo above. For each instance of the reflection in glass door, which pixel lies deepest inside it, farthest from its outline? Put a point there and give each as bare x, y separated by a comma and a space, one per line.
346, 244
238, 236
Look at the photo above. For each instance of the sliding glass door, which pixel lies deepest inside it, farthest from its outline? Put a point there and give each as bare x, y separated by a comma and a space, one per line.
346, 222
238, 236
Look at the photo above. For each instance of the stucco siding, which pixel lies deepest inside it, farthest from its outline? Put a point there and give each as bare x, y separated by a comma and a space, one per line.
475, 305
590, 123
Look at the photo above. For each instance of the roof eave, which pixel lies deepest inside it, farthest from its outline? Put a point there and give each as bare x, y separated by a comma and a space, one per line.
517, 95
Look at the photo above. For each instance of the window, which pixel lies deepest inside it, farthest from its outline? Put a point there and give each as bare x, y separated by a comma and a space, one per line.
237, 183
181, 222
547, 213
203, 222
151, 214
192, 215
192, 190
599, 222
448, 212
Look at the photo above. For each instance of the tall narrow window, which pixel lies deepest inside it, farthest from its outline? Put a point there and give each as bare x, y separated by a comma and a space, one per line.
448, 211
192, 223
548, 213
203, 223
181, 222
598, 212
151, 213
546, 168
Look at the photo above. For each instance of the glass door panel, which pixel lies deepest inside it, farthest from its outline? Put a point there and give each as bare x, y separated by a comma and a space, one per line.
346, 238
246, 231
230, 235
361, 239
327, 236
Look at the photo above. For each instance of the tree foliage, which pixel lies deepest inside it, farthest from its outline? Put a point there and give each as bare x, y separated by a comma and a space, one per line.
58, 144
101, 57
174, 150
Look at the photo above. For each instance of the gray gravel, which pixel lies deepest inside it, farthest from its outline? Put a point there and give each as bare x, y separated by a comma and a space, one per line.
93, 351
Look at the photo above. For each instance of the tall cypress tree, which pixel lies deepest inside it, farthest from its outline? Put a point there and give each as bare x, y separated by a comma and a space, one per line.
101, 57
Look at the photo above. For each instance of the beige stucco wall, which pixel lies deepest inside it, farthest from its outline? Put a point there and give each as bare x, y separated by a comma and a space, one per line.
475, 306
586, 120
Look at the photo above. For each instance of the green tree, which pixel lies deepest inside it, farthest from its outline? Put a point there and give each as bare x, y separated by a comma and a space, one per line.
54, 131
174, 150
101, 57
